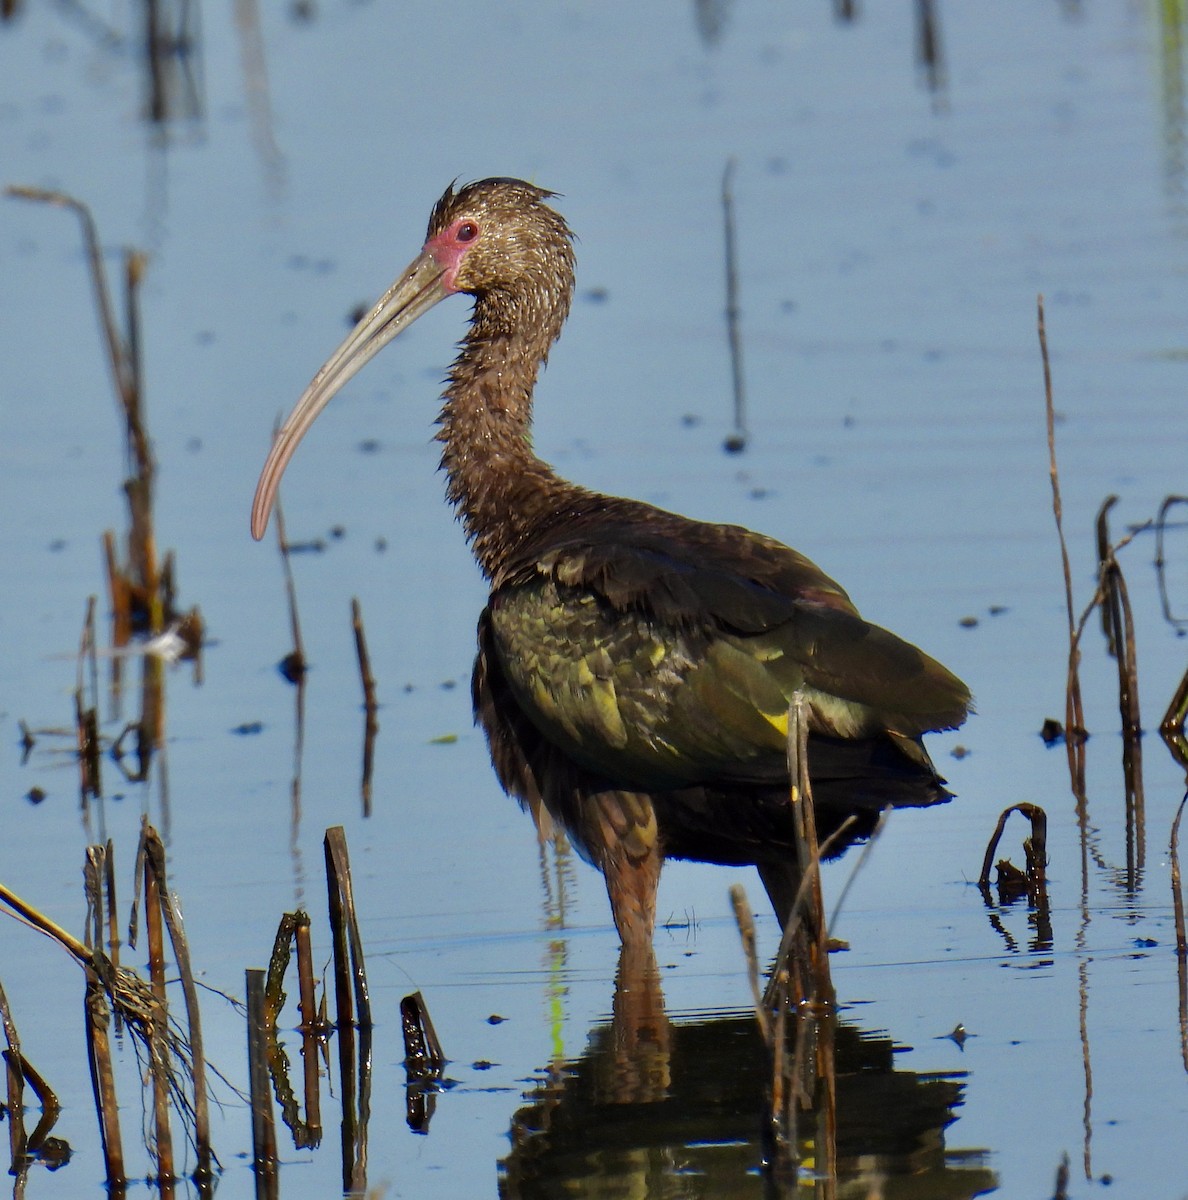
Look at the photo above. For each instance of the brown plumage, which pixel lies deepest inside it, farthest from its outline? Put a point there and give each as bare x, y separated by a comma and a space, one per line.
635, 667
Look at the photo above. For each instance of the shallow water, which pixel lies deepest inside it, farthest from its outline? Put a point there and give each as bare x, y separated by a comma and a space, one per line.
892, 241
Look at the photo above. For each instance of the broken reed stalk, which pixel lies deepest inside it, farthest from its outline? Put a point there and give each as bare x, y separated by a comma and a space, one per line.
800, 984
310, 1027
117, 351
15, 1079
93, 871
278, 964
365, 675
1118, 623
109, 898
119, 594
158, 1061
293, 930
123, 355
371, 725
1035, 854
737, 440
86, 717
1062, 1176
804, 942
307, 1003
35, 1142
98, 1017
200, 1113
1111, 617
294, 663
1074, 718
423, 1055
746, 932
264, 1156
344, 927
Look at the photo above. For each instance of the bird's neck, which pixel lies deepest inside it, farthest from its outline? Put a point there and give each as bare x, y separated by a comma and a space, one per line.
499, 488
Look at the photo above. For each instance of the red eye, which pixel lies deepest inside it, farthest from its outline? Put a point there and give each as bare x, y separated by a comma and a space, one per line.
466, 232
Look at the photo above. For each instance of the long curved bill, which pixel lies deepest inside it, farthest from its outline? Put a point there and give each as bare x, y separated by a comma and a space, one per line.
416, 291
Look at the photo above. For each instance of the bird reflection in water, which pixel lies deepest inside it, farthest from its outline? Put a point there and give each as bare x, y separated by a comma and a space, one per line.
567, 1141
657, 1109
635, 668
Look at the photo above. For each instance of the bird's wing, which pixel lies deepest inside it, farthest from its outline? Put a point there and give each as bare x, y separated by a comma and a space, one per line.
662, 659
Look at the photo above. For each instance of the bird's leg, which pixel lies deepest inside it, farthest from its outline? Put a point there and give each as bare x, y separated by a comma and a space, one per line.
623, 837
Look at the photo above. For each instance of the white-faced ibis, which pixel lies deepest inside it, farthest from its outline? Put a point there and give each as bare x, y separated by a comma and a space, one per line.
635, 668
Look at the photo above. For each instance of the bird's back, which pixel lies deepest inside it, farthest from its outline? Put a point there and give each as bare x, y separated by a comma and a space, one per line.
661, 652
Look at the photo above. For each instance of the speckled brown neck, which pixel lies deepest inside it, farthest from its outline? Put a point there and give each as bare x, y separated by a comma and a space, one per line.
500, 489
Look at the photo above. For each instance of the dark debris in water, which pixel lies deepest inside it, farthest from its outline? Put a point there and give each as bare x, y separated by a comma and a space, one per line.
248, 728
1052, 732
293, 666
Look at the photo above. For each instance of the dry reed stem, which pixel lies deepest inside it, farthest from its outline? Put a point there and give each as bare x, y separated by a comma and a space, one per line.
1061, 1192
196, 1063
305, 973
746, 932
310, 1029
123, 355
86, 721
365, 675
1118, 623
1074, 719
423, 1055
293, 929
264, 1155
737, 440
801, 983
46, 1097
109, 897
1111, 622
278, 964
98, 1015
295, 661
344, 925
371, 725
1034, 847
15, 1081
158, 1056
117, 351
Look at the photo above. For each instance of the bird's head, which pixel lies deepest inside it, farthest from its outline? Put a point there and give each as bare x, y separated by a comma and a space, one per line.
496, 240
499, 235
